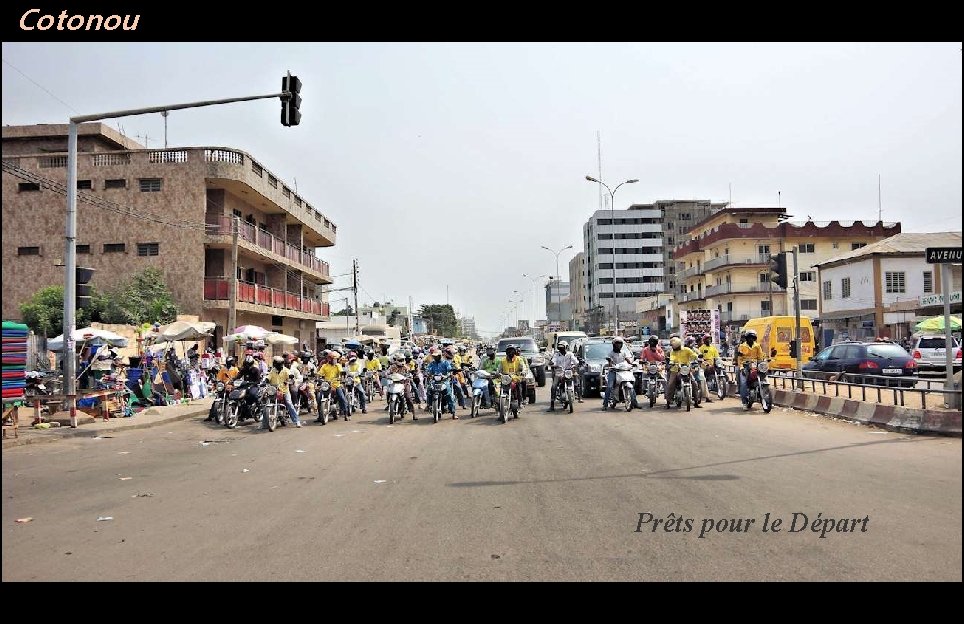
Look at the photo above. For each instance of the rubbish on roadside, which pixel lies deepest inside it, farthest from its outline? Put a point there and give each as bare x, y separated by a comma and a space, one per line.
42, 426
105, 518
205, 444
123, 452
356, 430
245, 470
339, 435
299, 451
381, 481
144, 495
881, 432
24, 520
126, 478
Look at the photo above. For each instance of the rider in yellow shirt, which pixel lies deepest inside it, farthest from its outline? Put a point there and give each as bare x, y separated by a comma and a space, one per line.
375, 365
710, 354
515, 365
678, 355
748, 351
330, 371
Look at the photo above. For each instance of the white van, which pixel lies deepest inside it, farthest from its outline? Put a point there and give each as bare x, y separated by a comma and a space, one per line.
555, 337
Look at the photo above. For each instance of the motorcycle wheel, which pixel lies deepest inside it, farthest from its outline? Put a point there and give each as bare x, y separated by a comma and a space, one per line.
325, 412
437, 410
231, 418
502, 412
271, 413
765, 399
686, 398
475, 407
652, 398
628, 398
217, 409
570, 399
392, 410
721, 388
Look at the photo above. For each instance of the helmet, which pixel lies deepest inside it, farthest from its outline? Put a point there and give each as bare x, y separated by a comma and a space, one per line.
399, 356
449, 350
406, 355
675, 342
230, 361
653, 340
352, 356
434, 352
278, 359
707, 337
490, 349
512, 348
562, 344
690, 341
618, 339
750, 333
249, 360
461, 348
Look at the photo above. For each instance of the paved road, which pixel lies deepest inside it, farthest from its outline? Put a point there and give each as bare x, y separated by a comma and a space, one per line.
547, 497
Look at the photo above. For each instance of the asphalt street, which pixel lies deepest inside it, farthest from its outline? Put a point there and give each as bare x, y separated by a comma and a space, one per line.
545, 497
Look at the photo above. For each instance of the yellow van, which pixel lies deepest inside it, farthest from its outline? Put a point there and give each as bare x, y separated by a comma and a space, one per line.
776, 332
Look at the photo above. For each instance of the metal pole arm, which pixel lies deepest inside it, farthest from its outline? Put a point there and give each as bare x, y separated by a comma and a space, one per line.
160, 109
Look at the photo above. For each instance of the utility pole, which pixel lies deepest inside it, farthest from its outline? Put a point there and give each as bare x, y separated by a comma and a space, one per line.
354, 287
796, 306
770, 283
233, 279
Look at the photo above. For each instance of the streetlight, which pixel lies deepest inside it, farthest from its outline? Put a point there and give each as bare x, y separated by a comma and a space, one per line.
532, 302
558, 280
612, 217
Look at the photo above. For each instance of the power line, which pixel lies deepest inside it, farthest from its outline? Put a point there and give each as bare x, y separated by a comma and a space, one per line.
47, 91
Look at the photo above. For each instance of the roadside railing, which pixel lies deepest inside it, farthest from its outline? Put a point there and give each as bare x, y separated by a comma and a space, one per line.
895, 389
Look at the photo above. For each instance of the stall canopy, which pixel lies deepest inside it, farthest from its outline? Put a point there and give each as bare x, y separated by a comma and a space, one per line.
180, 330
274, 338
89, 336
936, 324
246, 332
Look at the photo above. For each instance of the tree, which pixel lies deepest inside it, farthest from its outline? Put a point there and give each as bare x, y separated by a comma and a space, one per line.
43, 312
441, 319
393, 317
144, 299
348, 311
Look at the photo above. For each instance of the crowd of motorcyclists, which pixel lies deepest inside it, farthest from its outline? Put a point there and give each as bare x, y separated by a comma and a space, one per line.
336, 383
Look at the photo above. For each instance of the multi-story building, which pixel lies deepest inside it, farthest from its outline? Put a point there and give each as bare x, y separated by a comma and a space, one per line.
558, 308
577, 288
634, 247
173, 209
725, 264
885, 288
467, 326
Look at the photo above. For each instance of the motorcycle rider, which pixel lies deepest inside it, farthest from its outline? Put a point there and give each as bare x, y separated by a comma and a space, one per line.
652, 352
278, 377
692, 344
748, 351
401, 367
354, 366
330, 371
490, 365
616, 356
413, 368
453, 359
563, 360
710, 355
440, 366
375, 366
517, 367
226, 375
677, 356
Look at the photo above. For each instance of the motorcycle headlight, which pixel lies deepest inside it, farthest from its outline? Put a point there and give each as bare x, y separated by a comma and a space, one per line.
438, 378
569, 374
325, 386
684, 369
653, 369
594, 368
506, 379
763, 367
220, 386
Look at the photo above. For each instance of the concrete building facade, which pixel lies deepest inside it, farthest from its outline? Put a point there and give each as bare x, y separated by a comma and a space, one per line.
725, 263
173, 209
577, 288
558, 305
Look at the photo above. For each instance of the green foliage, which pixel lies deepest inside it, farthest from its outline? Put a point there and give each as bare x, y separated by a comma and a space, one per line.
393, 317
43, 312
144, 299
441, 320
348, 311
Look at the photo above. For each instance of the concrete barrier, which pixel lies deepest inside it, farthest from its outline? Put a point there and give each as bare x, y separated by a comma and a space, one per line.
895, 417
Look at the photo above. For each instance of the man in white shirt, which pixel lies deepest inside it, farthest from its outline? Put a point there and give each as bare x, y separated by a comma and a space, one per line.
617, 356
562, 361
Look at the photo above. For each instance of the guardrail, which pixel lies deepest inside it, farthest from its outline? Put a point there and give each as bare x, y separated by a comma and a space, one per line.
898, 395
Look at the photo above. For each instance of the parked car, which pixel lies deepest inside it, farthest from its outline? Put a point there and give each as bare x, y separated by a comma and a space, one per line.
530, 351
929, 351
592, 354
860, 359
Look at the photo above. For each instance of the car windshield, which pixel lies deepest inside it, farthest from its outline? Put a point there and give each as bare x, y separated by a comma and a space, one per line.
934, 343
526, 345
598, 350
886, 351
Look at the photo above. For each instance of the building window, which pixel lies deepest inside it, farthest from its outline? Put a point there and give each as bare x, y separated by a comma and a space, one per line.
827, 291
744, 221
806, 248
28, 251
273, 181
894, 282
148, 249
763, 250
765, 307
236, 213
928, 281
25, 187
808, 304
84, 185
845, 288
115, 184
836, 245
808, 276
256, 168
764, 278
684, 216
83, 249
115, 248
854, 246
150, 185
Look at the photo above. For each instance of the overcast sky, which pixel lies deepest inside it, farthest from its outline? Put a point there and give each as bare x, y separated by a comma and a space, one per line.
452, 164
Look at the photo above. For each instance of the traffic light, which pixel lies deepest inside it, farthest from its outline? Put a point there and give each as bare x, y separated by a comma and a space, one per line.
82, 292
778, 269
793, 348
290, 115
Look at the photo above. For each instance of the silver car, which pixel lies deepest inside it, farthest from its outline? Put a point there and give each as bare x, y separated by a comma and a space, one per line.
930, 354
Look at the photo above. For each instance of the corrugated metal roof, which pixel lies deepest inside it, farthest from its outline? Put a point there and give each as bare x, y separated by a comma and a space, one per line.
904, 243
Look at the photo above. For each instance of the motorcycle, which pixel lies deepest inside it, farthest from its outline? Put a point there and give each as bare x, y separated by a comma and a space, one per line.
395, 395
350, 382
480, 382
717, 381
655, 383
35, 385
273, 408
368, 382
697, 371
220, 405
757, 385
566, 388
438, 389
326, 402
624, 390
684, 387
509, 399
304, 395
244, 402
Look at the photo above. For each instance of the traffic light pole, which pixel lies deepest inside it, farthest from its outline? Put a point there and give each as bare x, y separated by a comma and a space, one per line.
796, 307
70, 253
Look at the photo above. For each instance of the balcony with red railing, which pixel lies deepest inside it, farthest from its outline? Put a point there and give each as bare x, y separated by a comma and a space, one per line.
218, 289
221, 225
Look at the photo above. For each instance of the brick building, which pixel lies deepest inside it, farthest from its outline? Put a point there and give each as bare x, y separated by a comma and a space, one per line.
193, 195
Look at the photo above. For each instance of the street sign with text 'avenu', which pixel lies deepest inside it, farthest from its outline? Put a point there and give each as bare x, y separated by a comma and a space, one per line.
943, 255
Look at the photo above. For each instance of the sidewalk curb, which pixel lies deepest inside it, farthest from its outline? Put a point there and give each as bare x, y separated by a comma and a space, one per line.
892, 417
55, 435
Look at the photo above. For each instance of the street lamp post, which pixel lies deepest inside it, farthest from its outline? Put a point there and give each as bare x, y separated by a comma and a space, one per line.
558, 279
532, 302
612, 216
